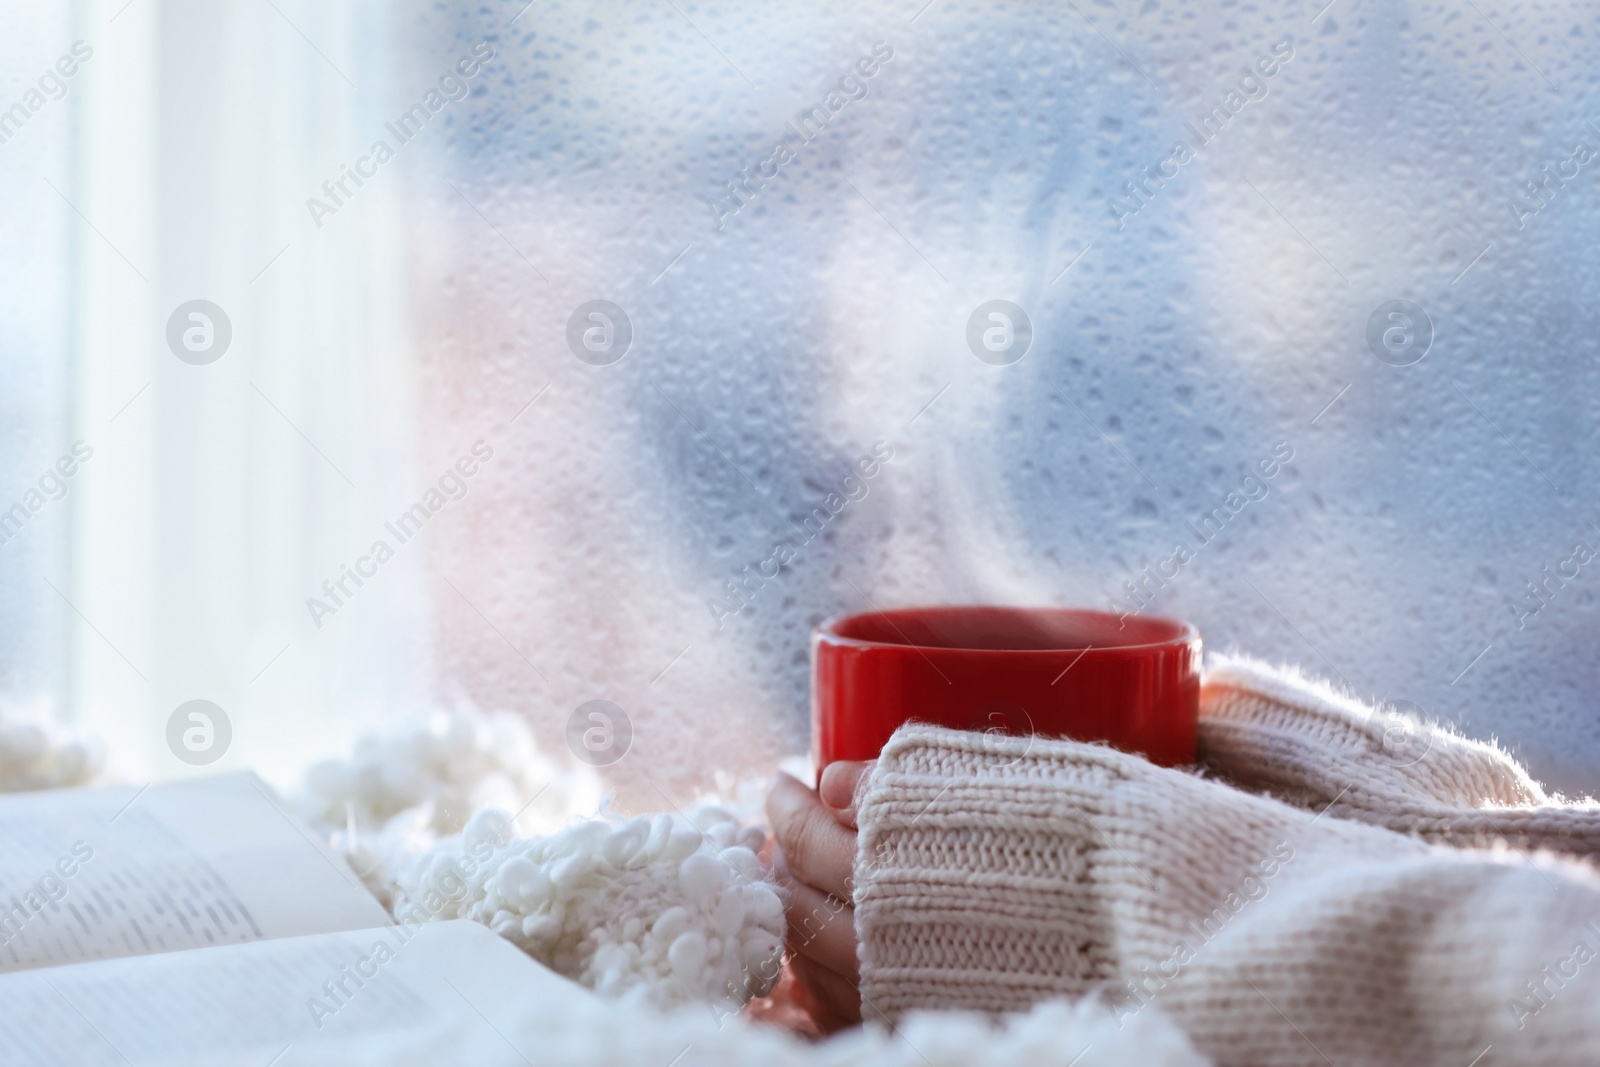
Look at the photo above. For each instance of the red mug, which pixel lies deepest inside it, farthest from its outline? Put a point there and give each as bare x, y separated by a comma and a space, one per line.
1130, 681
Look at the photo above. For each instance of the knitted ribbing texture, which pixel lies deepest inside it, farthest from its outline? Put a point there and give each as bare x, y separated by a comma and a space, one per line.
992, 873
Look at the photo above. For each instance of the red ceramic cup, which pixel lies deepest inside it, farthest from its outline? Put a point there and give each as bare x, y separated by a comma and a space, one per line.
1133, 682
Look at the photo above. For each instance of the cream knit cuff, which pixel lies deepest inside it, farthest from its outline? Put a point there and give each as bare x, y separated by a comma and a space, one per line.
993, 873
1298, 739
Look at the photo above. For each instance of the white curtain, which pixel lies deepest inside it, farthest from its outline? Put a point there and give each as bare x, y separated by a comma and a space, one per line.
222, 495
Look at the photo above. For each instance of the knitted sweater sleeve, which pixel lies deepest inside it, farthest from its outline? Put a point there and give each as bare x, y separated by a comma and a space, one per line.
993, 873
1277, 731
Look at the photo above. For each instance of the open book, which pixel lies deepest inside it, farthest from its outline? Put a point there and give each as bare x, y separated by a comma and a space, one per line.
201, 922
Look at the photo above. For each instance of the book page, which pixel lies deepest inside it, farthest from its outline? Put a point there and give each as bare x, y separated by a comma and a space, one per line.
366, 996
94, 874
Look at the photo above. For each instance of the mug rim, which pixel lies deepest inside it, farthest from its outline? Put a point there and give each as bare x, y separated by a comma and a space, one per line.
1182, 632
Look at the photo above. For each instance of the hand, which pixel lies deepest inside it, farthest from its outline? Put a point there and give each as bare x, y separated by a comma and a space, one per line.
815, 834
